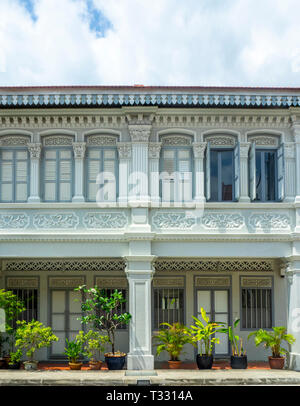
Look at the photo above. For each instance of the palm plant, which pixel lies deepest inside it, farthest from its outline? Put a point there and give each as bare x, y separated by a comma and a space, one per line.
273, 339
172, 339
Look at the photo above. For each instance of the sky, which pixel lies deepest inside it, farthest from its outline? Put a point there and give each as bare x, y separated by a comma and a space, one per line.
150, 42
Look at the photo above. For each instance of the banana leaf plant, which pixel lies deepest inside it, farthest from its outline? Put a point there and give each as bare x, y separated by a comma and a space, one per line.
203, 333
236, 342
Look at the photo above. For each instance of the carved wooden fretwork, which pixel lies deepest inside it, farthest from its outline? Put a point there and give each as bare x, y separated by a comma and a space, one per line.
22, 283
174, 140
213, 265
261, 282
62, 282
264, 140
112, 283
68, 265
168, 282
221, 140
212, 281
101, 140
57, 140
14, 140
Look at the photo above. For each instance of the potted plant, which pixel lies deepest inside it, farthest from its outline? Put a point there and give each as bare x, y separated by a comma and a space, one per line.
103, 311
15, 359
31, 336
238, 358
273, 340
202, 334
172, 339
94, 344
74, 350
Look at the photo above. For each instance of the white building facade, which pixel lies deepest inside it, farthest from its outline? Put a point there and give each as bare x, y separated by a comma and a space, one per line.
181, 197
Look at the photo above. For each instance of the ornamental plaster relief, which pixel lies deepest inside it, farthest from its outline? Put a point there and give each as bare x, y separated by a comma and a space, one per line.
105, 220
55, 221
14, 221
173, 220
269, 221
57, 140
223, 221
14, 141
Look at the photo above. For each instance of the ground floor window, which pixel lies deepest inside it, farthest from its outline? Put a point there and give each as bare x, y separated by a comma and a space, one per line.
256, 308
168, 306
30, 299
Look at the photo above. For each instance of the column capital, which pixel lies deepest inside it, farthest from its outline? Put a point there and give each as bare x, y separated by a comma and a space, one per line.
199, 149
124, 150
79, 149
244, 149
35, 149
154, 150
139, 132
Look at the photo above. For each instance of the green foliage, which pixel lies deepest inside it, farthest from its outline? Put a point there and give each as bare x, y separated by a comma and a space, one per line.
203, 333
236, 341
172, 339
273, 339
15, 356
12, 307
103, 311
33, 335
93, 343
74, 349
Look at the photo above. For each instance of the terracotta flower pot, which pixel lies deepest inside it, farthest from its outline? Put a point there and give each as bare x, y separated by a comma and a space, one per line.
30, 365
75, 366
276, 363
95, 365
174, 364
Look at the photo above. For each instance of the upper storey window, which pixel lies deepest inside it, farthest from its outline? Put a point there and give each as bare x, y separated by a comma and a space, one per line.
222, 169
101, 168
14, 175
266, 170
14, 169
176, 169
58, 168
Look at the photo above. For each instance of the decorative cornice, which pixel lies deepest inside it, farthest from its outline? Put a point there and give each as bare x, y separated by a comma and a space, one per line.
216, 99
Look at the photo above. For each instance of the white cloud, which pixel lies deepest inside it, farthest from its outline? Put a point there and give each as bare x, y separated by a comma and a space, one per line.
153, 42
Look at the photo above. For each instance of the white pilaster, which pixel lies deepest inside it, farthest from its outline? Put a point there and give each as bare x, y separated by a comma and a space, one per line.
199, 149
296, 129
139, 134
124, 150
290, 175
292, 274
79, 152
35, 155
139, 274
154, 154
244, 176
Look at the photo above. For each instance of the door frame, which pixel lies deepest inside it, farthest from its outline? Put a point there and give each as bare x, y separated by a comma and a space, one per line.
212, 289
50, 355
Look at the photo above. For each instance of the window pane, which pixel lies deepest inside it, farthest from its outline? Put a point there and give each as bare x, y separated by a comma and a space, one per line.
259, 182
221, 172
168, 306
6, 192
21, 192
256, 308
226, 175
7, 171
65, 191
270, 175
214, 175
50, 191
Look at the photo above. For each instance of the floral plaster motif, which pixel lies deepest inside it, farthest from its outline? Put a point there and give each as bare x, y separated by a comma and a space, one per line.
55, 221
13, 221
179, 220
223, 221
105, 220
269, 221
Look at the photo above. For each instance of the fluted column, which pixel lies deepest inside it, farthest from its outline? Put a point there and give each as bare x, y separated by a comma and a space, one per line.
296, 129
290, 175
79, 152
199, 150
244, 176
124, 150
154, 154
35, 155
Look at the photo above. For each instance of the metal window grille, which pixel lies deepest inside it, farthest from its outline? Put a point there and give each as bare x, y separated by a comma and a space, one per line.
122, 307
256, 308
30, 299
168, 306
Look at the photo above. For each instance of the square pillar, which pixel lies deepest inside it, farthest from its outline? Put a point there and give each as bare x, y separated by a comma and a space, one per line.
79, 152
35, 155
139, 274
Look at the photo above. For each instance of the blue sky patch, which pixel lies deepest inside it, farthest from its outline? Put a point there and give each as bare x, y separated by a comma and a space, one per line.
29, 6
97, 21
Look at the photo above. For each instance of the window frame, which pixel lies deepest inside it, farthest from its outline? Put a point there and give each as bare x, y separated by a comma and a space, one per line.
271, 289
57, 149
14, 150
176, 149
267, 150
102, 149
220, 150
